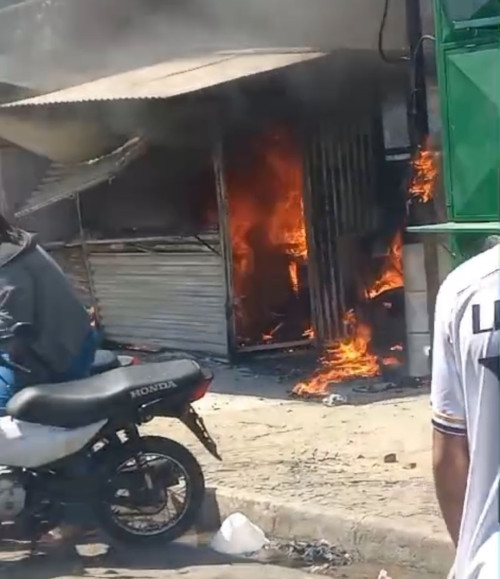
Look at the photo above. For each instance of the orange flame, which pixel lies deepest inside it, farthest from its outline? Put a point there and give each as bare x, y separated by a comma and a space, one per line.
293, 269
309, 334
351, 357
346, 358
266, 216
423, 183
286, 223
390, 361
392, 274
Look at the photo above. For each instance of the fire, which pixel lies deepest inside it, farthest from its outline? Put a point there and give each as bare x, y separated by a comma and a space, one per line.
424, 178
351, 357
346, 358
392, 274
390, 361
293, 269
309, 334
267, 216
286, 223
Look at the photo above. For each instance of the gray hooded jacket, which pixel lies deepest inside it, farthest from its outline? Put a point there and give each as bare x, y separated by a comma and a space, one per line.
34, 289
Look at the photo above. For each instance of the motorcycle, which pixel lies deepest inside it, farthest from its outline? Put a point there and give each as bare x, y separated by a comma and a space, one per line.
78, 444
105, 360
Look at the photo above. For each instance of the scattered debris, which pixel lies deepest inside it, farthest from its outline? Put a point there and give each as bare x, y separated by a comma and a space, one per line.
383, 575
335, 400
319, 556
145, 349
375, 387
390, 458
238, 536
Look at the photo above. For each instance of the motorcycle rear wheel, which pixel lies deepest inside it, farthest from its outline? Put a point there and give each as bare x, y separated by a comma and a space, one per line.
183, 464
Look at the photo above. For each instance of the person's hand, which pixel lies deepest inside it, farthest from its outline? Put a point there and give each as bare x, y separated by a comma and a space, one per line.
93, 316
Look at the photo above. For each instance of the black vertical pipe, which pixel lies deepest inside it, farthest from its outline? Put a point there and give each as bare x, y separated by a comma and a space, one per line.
418, 121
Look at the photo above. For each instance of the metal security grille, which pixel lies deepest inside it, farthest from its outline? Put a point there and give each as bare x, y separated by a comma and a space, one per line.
341, 168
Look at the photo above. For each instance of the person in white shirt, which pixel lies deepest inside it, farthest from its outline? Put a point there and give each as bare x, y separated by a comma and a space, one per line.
466, 412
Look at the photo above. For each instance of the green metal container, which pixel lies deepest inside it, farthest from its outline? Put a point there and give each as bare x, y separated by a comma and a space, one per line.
468, 54
468, 62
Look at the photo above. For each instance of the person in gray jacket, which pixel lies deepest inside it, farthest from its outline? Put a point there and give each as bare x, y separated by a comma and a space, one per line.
34, 290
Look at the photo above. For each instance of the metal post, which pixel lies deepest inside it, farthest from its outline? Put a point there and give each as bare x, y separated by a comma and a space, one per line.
225, 240
417, 104
86, 259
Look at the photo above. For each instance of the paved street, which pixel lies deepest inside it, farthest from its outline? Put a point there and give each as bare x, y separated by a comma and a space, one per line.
175, 561
186, 561
295, 451
291, 451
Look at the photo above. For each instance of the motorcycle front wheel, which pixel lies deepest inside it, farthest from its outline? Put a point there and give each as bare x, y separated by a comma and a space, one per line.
151, 494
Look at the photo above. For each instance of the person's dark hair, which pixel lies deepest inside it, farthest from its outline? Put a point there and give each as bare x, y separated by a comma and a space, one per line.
8, 233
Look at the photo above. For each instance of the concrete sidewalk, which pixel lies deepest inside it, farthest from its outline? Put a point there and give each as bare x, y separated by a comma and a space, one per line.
300, 469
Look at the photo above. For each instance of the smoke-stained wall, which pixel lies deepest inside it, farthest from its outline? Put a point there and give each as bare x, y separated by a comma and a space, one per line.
167, 191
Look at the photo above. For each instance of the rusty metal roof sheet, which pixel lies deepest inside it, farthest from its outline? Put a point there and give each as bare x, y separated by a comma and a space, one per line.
63, 181
174, 77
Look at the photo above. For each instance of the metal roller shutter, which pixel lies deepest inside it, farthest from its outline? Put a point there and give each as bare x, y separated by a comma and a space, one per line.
174, 298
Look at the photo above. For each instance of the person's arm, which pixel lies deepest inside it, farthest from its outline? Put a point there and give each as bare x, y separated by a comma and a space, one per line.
451, 467
450, 446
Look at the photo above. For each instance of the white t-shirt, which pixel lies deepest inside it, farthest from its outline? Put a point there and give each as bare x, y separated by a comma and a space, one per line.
465, 391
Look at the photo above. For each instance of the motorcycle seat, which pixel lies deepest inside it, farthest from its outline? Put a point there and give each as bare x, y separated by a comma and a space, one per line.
116, 393
104, 361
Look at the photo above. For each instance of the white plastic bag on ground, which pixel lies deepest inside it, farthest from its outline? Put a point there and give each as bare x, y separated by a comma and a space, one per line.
238, 536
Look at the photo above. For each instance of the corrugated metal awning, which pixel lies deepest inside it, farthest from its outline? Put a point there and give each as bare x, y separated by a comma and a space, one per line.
174, 77
63, 181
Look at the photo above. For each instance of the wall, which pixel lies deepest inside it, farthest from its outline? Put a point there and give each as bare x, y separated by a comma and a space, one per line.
166, 191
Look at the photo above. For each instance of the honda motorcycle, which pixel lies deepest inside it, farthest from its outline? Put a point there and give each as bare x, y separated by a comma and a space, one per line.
78, 444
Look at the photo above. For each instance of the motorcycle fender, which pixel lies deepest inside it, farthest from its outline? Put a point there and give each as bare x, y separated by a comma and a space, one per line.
192, 420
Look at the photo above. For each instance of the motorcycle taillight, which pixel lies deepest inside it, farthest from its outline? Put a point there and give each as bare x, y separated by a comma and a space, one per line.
200, 391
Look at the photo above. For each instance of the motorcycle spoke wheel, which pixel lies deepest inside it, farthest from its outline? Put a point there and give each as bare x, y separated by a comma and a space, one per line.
155, 494
164, 505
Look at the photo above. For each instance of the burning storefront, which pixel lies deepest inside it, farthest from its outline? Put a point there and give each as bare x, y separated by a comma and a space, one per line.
278, 231
303, 221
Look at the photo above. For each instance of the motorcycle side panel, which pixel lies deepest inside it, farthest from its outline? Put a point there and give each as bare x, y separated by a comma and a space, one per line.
26, 445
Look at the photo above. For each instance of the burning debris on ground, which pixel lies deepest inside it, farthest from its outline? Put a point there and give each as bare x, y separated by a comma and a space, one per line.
352, 357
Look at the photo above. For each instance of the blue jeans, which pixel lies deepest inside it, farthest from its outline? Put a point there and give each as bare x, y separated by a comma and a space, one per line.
80, 368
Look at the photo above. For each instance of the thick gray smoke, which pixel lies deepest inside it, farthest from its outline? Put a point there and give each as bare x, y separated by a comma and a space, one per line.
48, 44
